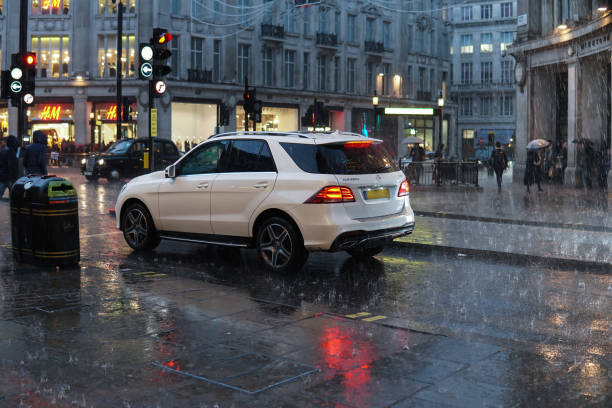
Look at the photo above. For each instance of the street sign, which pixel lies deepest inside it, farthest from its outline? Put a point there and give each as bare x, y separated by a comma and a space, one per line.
154, 122
146, 70
160, 87
28, 99
16, 86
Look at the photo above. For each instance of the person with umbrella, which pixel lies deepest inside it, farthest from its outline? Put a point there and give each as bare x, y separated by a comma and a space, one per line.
533, 165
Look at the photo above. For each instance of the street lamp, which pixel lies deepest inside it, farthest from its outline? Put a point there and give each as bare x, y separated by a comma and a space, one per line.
440, 108
92, 124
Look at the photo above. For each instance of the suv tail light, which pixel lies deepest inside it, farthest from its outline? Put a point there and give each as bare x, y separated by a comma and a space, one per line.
404, 189
359, 144
332, 194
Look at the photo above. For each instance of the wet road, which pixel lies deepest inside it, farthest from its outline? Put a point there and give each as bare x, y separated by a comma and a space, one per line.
408, 328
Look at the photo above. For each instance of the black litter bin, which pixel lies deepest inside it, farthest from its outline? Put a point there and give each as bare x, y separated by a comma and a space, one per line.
45, 221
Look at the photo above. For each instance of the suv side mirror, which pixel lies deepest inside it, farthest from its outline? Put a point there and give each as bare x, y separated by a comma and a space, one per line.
171, 171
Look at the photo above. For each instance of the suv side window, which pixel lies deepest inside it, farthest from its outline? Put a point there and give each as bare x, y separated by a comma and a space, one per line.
248, 156
204, 159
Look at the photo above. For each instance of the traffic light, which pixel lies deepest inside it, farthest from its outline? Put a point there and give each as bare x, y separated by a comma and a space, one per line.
257, 107
28, 60
161, 39
249, 100
145, 61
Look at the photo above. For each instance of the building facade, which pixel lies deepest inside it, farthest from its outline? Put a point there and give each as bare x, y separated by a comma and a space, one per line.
340, 52
482, 73
563, 54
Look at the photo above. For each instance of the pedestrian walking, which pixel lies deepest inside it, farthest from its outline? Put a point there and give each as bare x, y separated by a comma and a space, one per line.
35, 157
604, 167
532, 168
499, 162
8, 164
586, 162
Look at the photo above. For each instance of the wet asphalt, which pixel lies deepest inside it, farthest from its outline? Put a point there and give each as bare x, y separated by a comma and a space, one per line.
197, 326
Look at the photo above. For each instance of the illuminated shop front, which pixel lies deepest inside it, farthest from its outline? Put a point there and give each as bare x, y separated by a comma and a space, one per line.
273, 119
55, 120
105, 122
192, 123
4, 121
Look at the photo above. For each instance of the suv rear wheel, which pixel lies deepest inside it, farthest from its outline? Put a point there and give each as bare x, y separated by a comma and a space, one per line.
280, 246
138, 229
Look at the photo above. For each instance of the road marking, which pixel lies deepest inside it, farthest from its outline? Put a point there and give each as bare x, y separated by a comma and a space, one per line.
374, 318
149, 274
358, 315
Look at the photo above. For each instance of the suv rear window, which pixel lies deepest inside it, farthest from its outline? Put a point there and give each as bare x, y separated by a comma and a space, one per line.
338, 159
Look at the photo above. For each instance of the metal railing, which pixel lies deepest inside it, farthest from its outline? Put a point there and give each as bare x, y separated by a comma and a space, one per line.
272, 31
326, 39
374, 47
439, 173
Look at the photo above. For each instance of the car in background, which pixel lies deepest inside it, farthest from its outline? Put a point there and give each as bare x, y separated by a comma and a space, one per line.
125, 159
284, 194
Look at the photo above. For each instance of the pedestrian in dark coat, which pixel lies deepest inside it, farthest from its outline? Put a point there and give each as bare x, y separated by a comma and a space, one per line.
499, 162
532, 169
604, 167
35, 157
8, 164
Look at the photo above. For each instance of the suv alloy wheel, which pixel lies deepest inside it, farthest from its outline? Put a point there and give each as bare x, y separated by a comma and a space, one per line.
280, 246
138, 229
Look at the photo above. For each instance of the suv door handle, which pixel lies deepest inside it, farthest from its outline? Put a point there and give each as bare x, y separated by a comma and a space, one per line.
203, 186
262, 185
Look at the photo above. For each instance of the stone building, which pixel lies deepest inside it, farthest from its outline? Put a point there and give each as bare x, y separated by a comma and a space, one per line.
340, 52
483, 73
563, 54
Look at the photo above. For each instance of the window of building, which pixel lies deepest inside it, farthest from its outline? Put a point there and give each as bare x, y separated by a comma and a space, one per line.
217, 74
422, 73
507, 105
486, 11
350, 28
409, 38
176, 6
268, 64
289, 71
350, 75
418, 46
323, 26
306, 21
466, 73
466, 106
486, 105
507, 69
387, 34
467, 47
408, 85
507, 38
466, 13
175, 59
486, 72
506, 10
306, 71
289, 17
337, 24
369, 29
486, 42
53, 56
217, 10
432, 42
337, 68
245, 11
386, 78
50, 7
107, 6
468, 134
107, 56
197, 53
244, 52
321, 72
369, 78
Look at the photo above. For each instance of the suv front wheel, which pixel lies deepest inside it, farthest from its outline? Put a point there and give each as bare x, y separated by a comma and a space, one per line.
280, 246
138, 229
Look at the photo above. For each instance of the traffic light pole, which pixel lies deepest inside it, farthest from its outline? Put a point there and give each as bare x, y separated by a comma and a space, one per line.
119, 66
23, 46
151, 151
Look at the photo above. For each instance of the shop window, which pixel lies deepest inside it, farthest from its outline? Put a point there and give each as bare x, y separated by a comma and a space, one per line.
50, 7
107, 6
53, 56
107, 56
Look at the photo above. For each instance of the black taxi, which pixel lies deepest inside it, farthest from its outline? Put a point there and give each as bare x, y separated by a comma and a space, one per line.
125, 159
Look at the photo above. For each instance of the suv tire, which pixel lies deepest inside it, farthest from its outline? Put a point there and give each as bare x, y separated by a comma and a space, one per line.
279, 245
138, 228
368, 252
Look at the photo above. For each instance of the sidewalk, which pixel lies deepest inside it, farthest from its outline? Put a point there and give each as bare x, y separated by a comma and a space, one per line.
561, 223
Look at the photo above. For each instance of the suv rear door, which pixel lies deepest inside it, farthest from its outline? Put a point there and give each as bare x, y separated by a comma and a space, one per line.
246, 177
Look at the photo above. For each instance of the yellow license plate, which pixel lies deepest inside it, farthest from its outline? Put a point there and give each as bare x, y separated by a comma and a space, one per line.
376, 194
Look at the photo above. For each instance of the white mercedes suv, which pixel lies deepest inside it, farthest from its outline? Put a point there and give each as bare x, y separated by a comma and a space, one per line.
284, 194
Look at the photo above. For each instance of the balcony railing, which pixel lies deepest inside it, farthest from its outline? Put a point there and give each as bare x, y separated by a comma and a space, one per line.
198, 75
272, 31
327, 40
374, 47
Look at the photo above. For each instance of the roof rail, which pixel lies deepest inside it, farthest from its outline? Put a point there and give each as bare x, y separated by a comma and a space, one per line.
249, 133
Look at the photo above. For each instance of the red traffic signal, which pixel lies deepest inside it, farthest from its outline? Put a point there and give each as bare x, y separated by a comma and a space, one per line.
161, 36
29, 59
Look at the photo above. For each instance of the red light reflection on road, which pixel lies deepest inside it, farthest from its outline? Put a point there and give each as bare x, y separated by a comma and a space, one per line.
351, 357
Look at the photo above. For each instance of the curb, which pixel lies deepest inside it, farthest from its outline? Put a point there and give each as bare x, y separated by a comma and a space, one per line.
560, 225
512, 258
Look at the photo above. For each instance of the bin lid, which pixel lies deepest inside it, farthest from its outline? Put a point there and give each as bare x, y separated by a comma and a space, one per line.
61, 191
